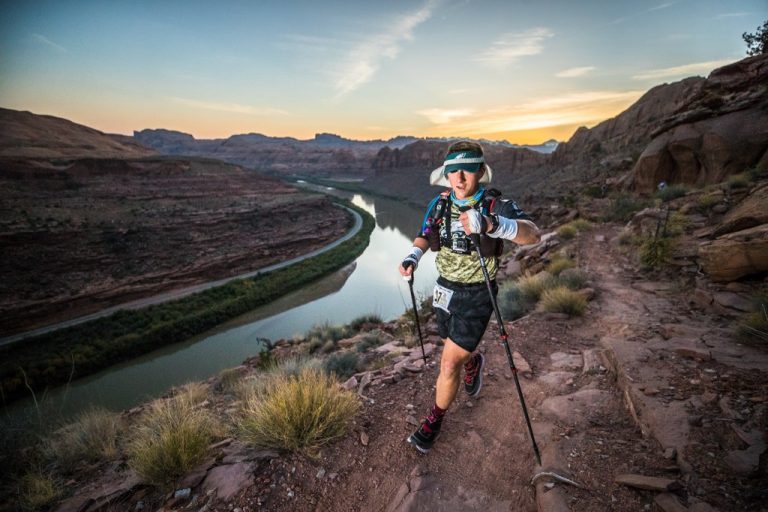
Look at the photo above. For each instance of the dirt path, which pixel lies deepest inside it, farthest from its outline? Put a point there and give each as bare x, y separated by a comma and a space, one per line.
582, 382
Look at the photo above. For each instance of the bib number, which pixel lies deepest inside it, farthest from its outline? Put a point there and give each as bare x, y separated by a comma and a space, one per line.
441, 298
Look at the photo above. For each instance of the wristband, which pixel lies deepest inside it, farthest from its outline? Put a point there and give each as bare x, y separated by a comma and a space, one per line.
507, 229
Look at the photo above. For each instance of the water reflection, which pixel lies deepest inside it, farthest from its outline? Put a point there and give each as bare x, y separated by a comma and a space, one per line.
371, 285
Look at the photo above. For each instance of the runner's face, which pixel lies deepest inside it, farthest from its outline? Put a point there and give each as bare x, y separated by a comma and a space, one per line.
465, 184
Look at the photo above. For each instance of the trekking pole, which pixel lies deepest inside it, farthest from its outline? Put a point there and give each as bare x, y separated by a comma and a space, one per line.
415, 311
503, 333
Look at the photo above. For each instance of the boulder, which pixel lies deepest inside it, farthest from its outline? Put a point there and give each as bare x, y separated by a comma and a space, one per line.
750, 212
736, 255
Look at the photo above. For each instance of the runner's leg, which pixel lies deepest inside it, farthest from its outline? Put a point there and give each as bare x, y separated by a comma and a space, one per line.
451, 362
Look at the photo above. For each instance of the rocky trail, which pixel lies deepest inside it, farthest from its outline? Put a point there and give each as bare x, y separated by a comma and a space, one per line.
646, 402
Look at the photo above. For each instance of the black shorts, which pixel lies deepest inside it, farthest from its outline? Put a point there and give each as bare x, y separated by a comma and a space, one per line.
469, 310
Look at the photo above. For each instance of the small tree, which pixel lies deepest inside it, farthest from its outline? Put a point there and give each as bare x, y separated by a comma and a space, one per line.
757, 43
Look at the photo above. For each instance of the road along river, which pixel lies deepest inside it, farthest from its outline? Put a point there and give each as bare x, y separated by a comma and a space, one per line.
370, 285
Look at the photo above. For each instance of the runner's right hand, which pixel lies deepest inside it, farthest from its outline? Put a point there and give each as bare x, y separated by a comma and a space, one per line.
409, 264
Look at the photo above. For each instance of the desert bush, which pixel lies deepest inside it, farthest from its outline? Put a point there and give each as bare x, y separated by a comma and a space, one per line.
171, 438
677, 224
567, 231
707, 201
37, 491
229, 379
192, 392
757, 172
671, 192
573, 278
298, 413
342, 365
557, 265
531, 287
370, 340
328, 347
655, 252
356, 324
91, 437
327, 332
754, 328
594, 191
511, 303
563, 300
740, 180
622, 207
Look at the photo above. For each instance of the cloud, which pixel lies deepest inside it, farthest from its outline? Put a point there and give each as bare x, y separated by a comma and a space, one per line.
230, 107
50, 44
636, 14
681, 71
574, 72
583, 108
443, 115
364, 59
661, 6
514, 45
732, 15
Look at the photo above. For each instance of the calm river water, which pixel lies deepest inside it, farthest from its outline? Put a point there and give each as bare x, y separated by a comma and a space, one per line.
371, 285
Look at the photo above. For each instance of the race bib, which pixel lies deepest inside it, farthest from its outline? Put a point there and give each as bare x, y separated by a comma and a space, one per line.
441, 298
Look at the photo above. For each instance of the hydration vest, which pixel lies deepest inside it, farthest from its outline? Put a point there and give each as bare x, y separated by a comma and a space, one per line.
439, 233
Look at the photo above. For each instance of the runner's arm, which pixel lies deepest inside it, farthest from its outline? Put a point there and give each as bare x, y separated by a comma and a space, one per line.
420, 246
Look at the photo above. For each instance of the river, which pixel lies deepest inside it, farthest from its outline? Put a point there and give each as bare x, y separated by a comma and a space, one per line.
370, 285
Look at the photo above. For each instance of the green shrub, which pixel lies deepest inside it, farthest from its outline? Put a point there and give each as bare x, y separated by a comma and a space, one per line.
92, 437
756, 173
343, 365
298, 413
370, 340
740, 180
531, 287
754, 327
594, 191
566, 231
707, 201
563, 300
328, 347
511, 303
356, 324
229, 379
557, 265
655, 252
37, 491
572, 278
671, 192
170, 439
623, 206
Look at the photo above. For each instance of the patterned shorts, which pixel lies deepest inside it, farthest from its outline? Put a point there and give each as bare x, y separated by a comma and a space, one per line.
463, 311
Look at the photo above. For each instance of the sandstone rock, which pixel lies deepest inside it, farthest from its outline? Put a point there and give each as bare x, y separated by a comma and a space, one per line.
561, 360
736, 255
745, 462
522, 365
350, 384
364, 381
650, 483
668, 502
228, 480
750, 212
573, 409
364, 439
733, 301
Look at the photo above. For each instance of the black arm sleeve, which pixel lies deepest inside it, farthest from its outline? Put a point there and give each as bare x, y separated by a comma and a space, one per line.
510, 210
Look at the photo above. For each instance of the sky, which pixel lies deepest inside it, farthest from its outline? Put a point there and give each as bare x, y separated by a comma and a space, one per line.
521, 70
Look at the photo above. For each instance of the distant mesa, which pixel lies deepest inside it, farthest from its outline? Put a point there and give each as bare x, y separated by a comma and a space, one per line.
27, 135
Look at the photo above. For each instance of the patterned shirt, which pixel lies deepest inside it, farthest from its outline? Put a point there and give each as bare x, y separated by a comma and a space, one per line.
465, 268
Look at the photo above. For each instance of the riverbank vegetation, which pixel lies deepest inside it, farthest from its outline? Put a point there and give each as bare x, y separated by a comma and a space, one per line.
54, 358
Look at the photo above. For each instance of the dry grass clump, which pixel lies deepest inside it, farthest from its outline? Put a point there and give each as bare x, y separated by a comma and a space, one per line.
171, 438
568, 231
37, 491
563, 300
298, 413
91, 437
531, 287
229, 379
557, 265
754, 328
573, 278
193, 392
